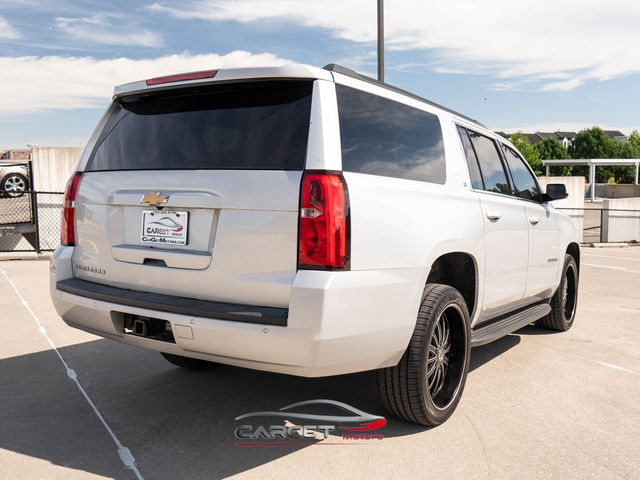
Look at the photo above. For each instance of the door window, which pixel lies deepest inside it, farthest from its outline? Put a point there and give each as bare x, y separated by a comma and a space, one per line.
524, 182
493, 174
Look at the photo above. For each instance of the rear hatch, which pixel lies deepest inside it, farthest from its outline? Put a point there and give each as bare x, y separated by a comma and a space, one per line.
194, 192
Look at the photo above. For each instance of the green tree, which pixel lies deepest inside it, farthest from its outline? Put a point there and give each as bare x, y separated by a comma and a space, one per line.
633, 143
550, 149
594, 143
521, 142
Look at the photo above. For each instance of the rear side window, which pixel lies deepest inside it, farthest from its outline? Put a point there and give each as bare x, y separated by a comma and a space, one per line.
472, 161
383, 137
495, 179
523, 180
252, 125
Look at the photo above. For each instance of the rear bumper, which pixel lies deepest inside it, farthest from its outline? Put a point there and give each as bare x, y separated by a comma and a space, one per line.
173, 304
337, 322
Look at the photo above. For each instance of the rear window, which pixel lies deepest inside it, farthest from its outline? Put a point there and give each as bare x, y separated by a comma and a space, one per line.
383, 137
248, 126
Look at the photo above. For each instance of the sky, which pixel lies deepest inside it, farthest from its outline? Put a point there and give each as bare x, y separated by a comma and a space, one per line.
513, 65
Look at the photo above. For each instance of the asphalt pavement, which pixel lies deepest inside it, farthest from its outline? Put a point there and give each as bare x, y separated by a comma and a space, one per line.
537, 404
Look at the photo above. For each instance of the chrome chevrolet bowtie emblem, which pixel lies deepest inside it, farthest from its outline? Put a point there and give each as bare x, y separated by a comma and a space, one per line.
155, 199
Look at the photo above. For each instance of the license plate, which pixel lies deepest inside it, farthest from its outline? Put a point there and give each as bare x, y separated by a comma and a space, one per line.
164, 227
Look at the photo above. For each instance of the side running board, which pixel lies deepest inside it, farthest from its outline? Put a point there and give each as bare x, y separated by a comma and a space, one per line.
499, 328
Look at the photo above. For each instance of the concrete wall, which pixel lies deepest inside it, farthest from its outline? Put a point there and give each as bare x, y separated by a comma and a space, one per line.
621, 226
52, 167
575, 188
620, 190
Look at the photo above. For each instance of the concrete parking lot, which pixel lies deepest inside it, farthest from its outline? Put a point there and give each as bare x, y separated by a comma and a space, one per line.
537, 404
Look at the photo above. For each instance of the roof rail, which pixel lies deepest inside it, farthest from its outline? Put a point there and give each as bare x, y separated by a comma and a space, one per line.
334, 67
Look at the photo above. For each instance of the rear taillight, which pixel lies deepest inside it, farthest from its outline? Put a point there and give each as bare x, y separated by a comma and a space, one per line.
324, 210
68, 221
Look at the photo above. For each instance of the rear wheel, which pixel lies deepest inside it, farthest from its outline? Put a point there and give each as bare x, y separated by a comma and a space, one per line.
426, 386
565, 300
189, 363
14, 185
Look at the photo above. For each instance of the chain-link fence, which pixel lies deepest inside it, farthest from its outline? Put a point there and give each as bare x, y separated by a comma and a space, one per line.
17, 210
30, 222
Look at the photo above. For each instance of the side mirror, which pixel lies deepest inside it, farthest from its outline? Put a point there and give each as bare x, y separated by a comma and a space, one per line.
555, 191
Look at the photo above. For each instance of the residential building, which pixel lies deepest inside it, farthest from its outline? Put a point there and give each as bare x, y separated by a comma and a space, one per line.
616, 134
566, 138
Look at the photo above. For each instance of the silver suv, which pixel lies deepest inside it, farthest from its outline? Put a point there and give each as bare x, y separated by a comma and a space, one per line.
311, 222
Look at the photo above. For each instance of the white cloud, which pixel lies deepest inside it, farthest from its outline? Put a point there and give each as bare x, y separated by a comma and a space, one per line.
38, 83
505, 87
99, 29
8, 31
564, 85
580, 40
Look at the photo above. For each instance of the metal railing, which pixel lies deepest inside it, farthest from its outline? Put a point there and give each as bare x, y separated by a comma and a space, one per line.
600, 225
31, 222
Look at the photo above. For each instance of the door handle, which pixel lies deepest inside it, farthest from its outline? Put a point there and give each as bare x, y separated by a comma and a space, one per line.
494, 215
533, 220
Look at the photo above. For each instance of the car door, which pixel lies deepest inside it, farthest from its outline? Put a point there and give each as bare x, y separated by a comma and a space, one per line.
544, 237
505, 225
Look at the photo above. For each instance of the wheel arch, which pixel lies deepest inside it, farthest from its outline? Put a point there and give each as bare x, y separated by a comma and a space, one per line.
573, 249
460, 271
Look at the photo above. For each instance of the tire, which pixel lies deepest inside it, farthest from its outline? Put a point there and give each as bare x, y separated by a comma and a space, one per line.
189, 363
14, 185
409, 390
565, 301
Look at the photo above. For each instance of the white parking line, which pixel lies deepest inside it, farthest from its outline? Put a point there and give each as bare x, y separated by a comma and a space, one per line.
123, 452
610, 267
603, 364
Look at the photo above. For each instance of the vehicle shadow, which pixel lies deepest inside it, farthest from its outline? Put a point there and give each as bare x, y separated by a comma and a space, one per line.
177, 423
486, 353
533, 330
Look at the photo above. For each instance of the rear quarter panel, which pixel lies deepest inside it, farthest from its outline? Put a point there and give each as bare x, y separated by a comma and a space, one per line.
398, 223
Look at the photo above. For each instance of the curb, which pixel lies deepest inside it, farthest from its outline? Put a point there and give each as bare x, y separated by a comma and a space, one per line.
7, 256
611, 245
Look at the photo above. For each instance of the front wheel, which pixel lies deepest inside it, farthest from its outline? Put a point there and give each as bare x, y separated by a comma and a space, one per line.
426, 386
564, 301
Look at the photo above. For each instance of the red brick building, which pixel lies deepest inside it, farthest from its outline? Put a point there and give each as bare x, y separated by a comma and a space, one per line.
16, 155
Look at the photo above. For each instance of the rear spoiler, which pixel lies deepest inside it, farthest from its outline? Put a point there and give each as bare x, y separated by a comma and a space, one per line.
224, 75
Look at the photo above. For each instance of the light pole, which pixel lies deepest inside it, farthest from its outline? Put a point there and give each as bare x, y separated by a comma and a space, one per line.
381, 40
